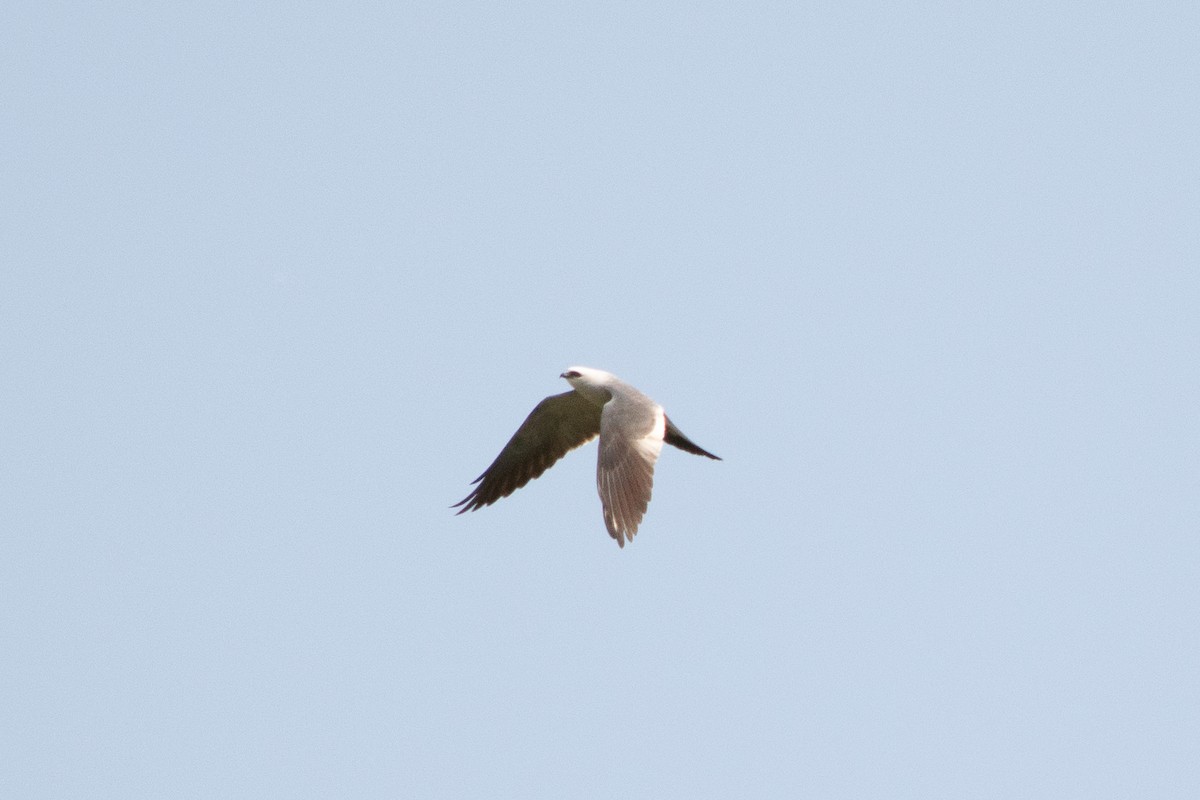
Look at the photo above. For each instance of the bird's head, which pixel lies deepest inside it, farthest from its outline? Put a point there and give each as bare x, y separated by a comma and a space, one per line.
589, 382
585, 376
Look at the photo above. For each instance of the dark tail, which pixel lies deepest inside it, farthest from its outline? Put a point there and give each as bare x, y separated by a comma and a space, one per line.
675, 437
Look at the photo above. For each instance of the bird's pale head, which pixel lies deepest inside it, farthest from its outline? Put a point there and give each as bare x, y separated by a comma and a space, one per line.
584, 378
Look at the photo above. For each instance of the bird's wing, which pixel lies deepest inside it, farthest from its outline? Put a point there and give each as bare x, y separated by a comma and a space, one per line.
558, 424
631, 437
675, 437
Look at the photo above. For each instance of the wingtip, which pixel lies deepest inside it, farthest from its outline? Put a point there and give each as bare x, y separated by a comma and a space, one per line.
674, 437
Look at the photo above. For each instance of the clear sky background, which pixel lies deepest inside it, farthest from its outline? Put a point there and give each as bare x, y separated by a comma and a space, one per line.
278, 280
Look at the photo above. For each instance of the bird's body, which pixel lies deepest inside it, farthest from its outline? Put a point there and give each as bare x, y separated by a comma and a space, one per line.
632, 429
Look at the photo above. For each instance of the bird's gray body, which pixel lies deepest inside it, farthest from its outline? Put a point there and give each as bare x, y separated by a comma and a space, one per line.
632, 429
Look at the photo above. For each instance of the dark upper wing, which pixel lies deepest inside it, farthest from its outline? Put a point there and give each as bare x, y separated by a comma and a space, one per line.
675, 437
558, 424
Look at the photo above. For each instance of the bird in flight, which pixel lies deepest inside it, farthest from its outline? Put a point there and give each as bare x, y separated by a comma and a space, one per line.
631, 427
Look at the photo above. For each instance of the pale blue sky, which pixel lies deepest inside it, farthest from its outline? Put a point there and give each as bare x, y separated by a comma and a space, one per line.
278, 281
